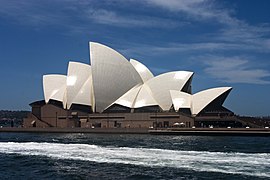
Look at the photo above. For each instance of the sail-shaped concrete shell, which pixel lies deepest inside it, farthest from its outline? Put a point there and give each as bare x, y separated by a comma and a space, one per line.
144, 98
161, 85
79, 84
54, 87
137, 97
201, 99
180, 99
129, 97
112, 73
112, 79
144, 72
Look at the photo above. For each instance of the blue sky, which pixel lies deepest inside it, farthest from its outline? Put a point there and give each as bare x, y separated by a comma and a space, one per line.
226, 43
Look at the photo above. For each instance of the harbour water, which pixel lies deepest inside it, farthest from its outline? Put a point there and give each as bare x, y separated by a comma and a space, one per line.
116, 156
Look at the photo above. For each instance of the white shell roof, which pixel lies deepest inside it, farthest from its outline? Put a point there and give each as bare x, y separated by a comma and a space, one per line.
54, 87
113, 75
112, 79
79, 84
180, 99
137, 97
201, 99
161, 85
145, 98
129, 97
144, 72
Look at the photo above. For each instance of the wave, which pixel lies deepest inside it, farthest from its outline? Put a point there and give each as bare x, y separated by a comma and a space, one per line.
256, 164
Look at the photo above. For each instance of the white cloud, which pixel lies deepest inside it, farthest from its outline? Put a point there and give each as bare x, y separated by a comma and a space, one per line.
68, 13
235, 70
232, 31
34, 13
82, 13
196, 9
102, 16
78, 16
191, 48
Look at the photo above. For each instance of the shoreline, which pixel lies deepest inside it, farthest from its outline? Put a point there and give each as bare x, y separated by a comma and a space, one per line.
213, 132
76, 130
168, 131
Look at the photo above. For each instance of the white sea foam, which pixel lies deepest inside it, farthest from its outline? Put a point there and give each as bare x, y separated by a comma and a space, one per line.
252, 164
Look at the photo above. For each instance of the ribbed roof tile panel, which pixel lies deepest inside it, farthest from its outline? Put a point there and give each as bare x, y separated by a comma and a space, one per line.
79, 82
162, 84
180, 99
201, 99
54, 87
145, 98
144, 72
113, 75
129, 97
84, 96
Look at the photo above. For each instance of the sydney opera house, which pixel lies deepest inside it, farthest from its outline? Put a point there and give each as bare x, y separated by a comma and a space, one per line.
113, 92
